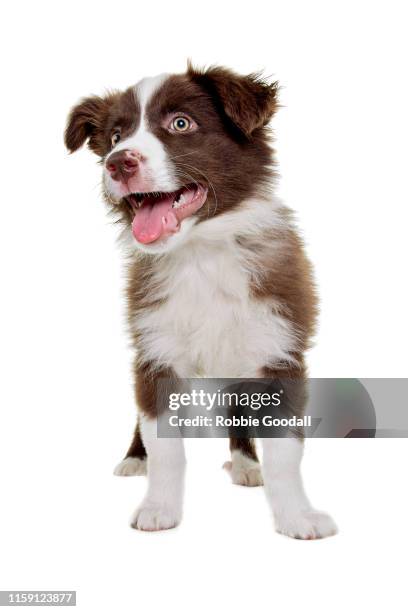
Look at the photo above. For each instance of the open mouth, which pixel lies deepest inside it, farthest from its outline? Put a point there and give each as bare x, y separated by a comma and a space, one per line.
159, 214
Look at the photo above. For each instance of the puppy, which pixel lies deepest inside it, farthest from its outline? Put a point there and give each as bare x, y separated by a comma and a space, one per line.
219, 285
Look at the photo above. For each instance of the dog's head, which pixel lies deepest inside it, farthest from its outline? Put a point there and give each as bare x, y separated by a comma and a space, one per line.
178, 149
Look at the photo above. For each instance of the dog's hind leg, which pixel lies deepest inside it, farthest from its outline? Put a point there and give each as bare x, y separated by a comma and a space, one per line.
134, 463
244, 467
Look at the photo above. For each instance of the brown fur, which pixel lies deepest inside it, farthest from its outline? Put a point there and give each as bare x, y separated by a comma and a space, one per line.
246, 446
136, 448
230, 154
247, 101
95, 119
287, 276
234, 164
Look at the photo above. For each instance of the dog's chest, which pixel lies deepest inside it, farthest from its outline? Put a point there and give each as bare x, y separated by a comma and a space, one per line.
208, 323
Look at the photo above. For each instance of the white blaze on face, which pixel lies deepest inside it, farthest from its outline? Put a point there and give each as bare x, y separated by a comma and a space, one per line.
156, 172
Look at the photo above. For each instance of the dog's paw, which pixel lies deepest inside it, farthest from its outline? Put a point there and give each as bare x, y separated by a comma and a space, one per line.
244, 471
131, 466
154, 517
307, 525
244, 476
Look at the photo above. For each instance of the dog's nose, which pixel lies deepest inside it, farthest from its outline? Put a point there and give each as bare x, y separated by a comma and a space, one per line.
124, 164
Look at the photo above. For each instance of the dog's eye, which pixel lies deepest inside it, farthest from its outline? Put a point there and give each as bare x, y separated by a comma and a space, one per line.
180, 124
115, 138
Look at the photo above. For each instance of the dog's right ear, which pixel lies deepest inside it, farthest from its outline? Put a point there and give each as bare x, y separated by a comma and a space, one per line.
87, 121
248, 101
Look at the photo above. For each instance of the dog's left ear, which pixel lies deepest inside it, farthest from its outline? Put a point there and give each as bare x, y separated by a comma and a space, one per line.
86, 122
248, 101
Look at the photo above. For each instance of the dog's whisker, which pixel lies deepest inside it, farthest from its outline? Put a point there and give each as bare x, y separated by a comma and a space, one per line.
183, 155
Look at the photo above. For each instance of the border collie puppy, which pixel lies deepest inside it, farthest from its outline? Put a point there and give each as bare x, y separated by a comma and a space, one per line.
219, 285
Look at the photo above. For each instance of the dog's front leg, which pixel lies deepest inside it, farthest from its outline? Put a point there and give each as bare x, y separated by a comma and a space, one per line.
294, 515
161, 507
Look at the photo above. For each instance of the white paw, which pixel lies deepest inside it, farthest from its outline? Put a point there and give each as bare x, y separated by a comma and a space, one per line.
154, 517
243, 470
307, 525
131, 466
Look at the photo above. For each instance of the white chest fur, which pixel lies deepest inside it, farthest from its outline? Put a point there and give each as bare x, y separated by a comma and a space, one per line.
208, 324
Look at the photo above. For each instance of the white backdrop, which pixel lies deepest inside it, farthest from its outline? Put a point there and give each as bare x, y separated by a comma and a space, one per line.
66, 398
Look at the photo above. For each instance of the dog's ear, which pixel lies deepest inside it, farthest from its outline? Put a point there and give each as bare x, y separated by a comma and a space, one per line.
87, 121
248, 101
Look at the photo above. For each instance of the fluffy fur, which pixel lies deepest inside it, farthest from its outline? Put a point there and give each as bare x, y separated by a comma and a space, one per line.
226, 291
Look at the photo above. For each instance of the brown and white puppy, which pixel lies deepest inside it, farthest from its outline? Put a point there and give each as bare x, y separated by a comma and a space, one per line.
219, 285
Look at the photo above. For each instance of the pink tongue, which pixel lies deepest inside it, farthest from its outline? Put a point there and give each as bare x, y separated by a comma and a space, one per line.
153, 221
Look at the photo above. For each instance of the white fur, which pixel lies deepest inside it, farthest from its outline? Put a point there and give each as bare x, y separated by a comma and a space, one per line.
208, 324
156, 170
291, 508
243, 470
162, 505
131, 466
